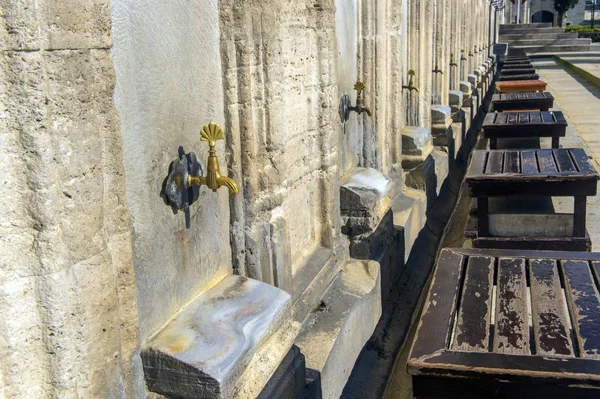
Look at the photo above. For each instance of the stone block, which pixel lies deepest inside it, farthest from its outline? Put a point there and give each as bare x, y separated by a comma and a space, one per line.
289, 378
530, 225
363, 200
473, 80
441, 114
205, 349
455, 100
429, 175
455, 139
76, 24
19, 25
409, 208
441, 119
466, 88
269, 359
416, 145
335, 333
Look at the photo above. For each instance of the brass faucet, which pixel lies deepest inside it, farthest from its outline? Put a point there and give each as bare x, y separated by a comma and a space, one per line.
213, 179
452, 63
359, 108
411, 86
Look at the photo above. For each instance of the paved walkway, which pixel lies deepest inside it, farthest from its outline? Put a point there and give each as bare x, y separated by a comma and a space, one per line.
580, 101
578, 98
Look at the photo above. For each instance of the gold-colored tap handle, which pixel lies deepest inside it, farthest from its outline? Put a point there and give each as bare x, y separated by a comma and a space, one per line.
359, 87
211, 133
213, 179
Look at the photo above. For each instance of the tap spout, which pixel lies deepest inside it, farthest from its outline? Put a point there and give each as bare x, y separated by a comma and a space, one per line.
359, 108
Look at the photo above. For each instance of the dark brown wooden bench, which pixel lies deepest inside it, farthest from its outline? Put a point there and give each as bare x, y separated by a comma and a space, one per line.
521, 101
530, 173
520, 64
523, 76
496, 324
517, 71
520, 86
500, 125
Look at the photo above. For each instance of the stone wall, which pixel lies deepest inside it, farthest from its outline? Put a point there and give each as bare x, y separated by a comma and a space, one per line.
99, 97
69, 325
168, 69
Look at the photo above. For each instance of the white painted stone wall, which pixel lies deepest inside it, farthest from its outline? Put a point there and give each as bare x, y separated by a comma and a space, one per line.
168, 68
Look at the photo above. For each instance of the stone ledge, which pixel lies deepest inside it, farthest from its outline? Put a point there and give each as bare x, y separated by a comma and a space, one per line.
416, 146
363, 200
204, 350
333, 336
409, 214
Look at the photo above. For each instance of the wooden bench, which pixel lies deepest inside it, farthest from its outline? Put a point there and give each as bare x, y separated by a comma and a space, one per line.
522, 101
516, 71
496, 324
523, 76
520, 64
500, 125
520, 86
520, 174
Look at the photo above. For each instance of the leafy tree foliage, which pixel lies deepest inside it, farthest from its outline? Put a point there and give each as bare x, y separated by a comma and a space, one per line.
562, 6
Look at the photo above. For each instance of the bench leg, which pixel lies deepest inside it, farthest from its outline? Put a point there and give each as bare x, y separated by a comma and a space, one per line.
555, 142
482, 216
579, 211
493, 143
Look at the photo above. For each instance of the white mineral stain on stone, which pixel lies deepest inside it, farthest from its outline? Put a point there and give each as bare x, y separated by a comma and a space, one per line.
219, 332
367, 178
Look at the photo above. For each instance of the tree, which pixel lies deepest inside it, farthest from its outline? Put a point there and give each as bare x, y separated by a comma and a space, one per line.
562, 6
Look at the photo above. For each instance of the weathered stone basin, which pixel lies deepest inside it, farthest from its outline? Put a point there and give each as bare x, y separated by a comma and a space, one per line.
203, 350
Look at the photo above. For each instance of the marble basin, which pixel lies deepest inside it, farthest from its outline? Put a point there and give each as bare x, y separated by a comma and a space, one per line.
207, 346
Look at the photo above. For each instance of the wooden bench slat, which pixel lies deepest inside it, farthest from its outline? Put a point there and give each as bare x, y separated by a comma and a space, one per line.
501, 119
512, 118
549, 314
512, 162
473, 324
529, 162
547, 117
490, 117
440, 309
564, 162
582, 160
478, 163
511, 333
546, 161
535, 117
560, 118
494, 163
523, 117
584, 306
